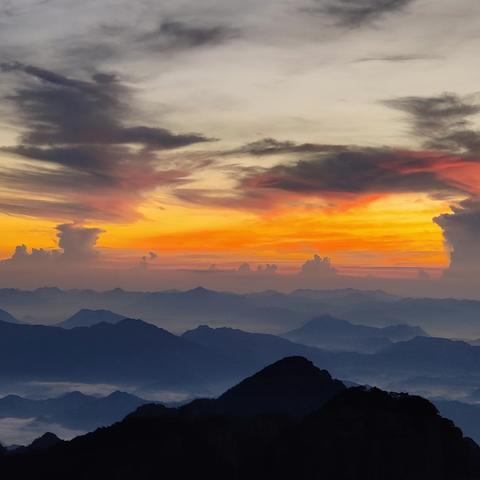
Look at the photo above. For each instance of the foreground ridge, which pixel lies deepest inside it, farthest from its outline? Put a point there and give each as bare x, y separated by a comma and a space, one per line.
350, 434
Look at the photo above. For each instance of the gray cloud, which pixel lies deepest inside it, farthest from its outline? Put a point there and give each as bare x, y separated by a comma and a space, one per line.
356, 13
318, 266
361, 171
78, 242
443, 122
271, 146
461, 230
83, 128
61, 110
175, 35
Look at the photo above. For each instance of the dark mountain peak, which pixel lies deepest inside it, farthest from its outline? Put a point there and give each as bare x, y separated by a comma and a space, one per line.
293, 385
290, 369
46, 441
431, 344
75, 395
201, 292
118, 395
86, 317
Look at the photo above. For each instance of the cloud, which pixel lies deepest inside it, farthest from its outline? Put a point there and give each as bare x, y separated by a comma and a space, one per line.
271, 146
102, 164
443, 122
78, 242
357, 13
174, 35
354, 171
399, 58
318, 266
76, 245
461, 230
61, 110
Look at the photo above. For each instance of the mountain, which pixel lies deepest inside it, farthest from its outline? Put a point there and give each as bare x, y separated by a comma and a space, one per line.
358, 434
129, 351
332, 333
73, 410
250, 350
465, 415
87, 318
7, 317
45, 442
429, 354
291, 386
268, 311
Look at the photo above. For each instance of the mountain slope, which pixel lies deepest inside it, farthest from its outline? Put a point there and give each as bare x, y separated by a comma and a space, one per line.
358, 434
73, 410
333, 333
130, 350
87, 318
292, 385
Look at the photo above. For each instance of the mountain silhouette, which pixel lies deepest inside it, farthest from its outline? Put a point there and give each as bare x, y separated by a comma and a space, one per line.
292, 386
73, 410
333, 333
87, 318
129, 351
250, 350
465, 415
357, 434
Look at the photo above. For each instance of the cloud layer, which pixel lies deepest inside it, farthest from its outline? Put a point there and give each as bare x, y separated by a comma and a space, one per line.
85, 150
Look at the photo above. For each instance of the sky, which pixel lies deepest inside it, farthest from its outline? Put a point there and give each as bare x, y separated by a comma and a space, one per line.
337, 139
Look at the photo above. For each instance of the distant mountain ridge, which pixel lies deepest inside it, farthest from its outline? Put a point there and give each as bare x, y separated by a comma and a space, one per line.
87, 318
268, 311
332, 333
204, 358
73, 410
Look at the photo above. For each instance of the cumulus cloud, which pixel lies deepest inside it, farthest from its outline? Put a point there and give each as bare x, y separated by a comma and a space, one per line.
461, 230
267, 269
318, 266
76, 245
78, 242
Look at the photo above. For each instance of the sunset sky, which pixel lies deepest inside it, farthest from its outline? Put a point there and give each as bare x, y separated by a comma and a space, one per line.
182, 134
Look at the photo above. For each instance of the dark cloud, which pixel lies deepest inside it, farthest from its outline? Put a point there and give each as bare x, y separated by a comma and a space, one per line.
175, 35
443, 122
61, 110
271, 146
461, 230
356, 13
104, 165
361, 171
